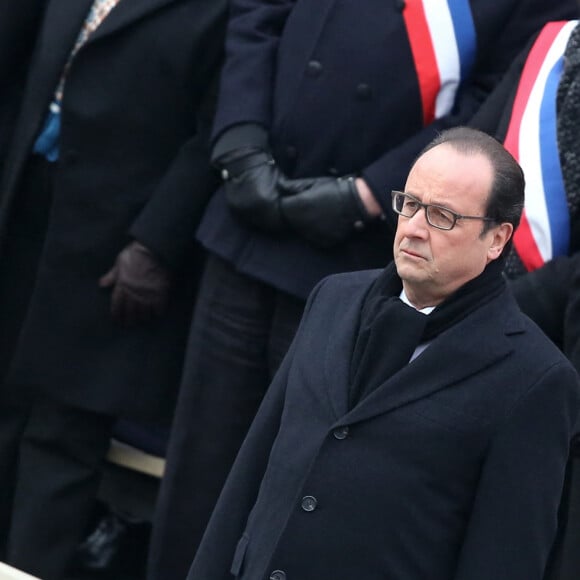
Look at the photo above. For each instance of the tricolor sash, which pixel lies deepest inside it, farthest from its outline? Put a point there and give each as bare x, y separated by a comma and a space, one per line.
544, 230
443, 42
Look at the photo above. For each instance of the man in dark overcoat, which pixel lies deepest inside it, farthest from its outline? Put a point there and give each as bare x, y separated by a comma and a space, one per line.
333, 99
419, 425
107, 174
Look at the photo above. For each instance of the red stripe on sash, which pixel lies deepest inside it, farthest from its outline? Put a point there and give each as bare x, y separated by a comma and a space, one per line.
424, 56
524, 242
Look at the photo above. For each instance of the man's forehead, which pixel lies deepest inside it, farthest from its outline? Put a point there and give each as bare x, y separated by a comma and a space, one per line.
450, 152
444, 172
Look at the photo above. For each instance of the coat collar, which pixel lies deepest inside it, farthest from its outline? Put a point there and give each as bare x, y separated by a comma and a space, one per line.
464, 350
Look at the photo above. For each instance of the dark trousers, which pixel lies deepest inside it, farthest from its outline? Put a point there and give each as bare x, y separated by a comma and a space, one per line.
50, 453
51, 458
240, 332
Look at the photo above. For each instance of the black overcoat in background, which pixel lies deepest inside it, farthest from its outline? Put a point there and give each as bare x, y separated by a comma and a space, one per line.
133, 165
452, 469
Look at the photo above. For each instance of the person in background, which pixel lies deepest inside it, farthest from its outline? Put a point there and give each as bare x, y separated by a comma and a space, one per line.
419, 425
323, 107
106, 176
535, 111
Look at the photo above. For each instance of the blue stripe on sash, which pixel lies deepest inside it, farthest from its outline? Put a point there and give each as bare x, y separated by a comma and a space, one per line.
465, 34
558, 215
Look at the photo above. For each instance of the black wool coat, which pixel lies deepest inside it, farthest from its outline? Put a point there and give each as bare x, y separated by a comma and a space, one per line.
133, 165
452, 469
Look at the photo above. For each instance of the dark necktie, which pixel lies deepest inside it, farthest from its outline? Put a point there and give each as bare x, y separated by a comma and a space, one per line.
568, 125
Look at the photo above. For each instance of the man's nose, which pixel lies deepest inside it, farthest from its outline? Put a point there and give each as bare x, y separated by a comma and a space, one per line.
417, 225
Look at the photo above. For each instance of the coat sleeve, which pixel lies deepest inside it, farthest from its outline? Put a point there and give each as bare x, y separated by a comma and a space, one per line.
253, 35
216, 552
527, 18
167, 223
514, 516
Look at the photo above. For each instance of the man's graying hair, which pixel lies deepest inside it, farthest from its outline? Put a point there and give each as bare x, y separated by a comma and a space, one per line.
506, 198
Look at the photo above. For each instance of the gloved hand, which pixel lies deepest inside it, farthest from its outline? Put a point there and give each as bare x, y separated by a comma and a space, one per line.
251, 179
140, 285
325, 210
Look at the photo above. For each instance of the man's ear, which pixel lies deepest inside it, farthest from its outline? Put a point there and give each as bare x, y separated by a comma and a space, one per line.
501, 236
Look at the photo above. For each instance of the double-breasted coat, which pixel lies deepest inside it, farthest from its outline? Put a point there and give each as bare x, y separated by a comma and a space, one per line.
336, 85
451, 469
133, 164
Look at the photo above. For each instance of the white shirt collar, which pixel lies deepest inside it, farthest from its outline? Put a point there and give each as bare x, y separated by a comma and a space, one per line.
426, 310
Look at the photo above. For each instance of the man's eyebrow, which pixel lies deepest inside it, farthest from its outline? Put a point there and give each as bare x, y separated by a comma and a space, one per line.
444, 205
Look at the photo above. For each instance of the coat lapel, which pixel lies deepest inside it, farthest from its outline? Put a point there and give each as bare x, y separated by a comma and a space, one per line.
342, 333
463, 351
62, 24
125, 13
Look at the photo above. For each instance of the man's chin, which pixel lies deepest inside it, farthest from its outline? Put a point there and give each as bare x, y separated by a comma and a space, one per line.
410, 272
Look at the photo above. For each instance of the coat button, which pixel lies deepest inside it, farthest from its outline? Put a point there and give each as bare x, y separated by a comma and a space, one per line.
314, 68
333, 171
291, 152
278, 575
363, 92
340, 433
309, 503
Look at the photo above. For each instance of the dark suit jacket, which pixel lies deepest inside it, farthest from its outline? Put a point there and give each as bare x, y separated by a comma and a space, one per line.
133, 164
334, 84
452, 469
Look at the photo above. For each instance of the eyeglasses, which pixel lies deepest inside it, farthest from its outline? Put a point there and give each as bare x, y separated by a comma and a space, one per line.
437, 216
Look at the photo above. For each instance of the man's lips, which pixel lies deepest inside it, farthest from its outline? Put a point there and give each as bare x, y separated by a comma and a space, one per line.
412, 253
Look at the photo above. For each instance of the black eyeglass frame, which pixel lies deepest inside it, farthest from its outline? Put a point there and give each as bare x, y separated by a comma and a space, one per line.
426, 206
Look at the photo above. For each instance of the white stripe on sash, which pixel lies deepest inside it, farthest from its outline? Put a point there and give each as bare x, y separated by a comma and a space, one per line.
440, 24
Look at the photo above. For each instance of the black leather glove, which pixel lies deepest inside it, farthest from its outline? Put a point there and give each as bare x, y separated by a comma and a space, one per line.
251, 178
325, 210
140, 285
